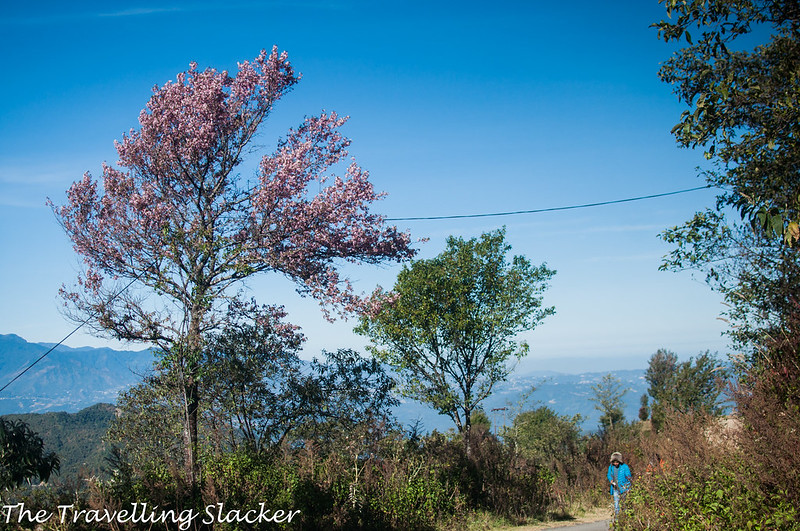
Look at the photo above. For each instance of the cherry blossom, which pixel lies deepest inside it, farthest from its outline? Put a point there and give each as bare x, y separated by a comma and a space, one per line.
174, 219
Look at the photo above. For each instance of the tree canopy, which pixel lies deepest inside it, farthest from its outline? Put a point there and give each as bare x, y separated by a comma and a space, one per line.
544, 436
737, 74
694, 385
608, 393
449, 325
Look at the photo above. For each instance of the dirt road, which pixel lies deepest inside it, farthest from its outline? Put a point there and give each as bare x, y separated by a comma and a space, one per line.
595, 520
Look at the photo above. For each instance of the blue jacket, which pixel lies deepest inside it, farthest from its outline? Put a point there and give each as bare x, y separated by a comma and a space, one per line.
623, 478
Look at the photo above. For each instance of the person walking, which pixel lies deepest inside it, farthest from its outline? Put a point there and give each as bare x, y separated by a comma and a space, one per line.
619, 476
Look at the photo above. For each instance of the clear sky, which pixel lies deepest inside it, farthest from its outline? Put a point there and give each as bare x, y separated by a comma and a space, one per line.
456, 108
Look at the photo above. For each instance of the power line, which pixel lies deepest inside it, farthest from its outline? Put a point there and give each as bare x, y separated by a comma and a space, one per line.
43, 356
551, 209
421, 218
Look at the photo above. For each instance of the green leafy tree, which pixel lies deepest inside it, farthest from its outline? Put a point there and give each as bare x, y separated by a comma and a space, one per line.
22, 455
450, 323
147, 435
248, 370
737, 75
695, 385
479, 418
258, 395
644, 407
340, 394
742, 102
661, 371
544, 436
607, 397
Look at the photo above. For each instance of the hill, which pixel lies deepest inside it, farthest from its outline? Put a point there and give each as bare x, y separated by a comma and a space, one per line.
566, 394
71, 379
76, 438
68, 379
72, 390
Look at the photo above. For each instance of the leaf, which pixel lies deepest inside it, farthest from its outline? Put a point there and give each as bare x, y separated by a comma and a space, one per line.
792, 233
777, 223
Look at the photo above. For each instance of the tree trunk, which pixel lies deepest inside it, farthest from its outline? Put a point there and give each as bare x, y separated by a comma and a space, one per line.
192, 407
194, 348
467, 433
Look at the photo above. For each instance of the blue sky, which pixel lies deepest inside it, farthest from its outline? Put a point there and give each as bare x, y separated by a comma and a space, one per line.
456, 108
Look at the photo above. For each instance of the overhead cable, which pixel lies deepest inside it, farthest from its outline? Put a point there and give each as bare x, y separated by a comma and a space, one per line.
40, 358
420, 218
551, 209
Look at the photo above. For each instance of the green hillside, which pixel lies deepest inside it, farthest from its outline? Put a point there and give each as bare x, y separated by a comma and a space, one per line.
77, 438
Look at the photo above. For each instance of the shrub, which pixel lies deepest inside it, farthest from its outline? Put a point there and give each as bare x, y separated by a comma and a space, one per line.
703, 480
493, 477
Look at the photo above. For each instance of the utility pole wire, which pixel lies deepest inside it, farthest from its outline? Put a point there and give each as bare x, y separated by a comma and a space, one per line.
29, 367
551, 209
460, 216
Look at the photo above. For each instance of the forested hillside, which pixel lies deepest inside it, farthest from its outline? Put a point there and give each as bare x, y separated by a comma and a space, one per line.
77, 438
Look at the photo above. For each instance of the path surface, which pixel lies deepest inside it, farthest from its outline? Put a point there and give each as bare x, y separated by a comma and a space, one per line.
595, 520
592, 526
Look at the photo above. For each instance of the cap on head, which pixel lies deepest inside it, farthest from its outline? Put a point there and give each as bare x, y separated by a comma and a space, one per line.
616, 456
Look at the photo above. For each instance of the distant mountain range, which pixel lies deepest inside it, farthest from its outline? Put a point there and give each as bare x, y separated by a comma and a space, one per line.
72, 379
566, 394
67, 379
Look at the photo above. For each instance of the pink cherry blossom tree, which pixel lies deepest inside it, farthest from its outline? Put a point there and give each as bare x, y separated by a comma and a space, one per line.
175, 221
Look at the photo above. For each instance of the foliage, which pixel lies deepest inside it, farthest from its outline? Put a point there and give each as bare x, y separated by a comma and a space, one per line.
22, 455
757, 276
148, 431
492, 477
644, 409
735, 472
176, 225
255, 407
238, 478
742, 108
76, 438
449, 324
608, 394
247, 374
694, 385
377, 486
715, 495
768, 401
699, 478
544, 437
47, 498
340, 394
479, 419
742, 103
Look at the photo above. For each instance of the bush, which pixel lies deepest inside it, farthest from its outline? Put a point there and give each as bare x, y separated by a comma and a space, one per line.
493, 477
45, 498
242, 480
388, 488
701, 479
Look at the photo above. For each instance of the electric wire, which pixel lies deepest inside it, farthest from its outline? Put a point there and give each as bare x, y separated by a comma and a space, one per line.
420, 218
551, 209
43, 356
